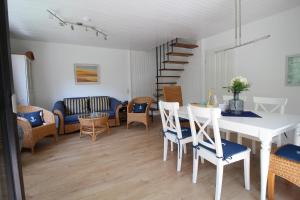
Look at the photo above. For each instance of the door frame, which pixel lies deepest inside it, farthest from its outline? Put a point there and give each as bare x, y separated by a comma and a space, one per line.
13, 177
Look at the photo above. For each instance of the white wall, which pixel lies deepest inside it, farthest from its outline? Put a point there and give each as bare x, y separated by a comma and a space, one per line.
53, 70
263, 63
143, 72
190, 80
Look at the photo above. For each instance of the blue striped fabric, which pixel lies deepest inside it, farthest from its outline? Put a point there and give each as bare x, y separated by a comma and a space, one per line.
76, 105
99, 104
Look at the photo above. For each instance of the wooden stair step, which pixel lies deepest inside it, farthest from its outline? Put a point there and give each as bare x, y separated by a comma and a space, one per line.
175, 62
179, 54
161, 83
184, 45
171, 69
162, 76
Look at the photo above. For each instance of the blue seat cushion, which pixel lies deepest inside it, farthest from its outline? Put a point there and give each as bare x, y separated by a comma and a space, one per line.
35, 118
290, 152
183, 120
186, 132
139, 107
229, 148
71, 119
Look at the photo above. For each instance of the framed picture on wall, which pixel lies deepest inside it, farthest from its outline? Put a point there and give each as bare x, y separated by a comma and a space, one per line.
86, 74
293, 70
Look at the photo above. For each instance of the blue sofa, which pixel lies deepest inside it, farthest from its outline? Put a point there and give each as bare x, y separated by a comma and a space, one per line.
68, 110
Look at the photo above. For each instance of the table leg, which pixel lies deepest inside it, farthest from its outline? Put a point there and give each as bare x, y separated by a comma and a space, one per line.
264, 164
297, 135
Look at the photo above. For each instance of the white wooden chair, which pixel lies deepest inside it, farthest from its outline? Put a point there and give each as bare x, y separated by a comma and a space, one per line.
270, 105
173, 131
216, 150
226, 99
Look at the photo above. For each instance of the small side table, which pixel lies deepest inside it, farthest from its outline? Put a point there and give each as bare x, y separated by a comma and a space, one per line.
93, 124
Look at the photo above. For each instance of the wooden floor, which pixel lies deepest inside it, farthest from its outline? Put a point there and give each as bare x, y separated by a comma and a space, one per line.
127, 164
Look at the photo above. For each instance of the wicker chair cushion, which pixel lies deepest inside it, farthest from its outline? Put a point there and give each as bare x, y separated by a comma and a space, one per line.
76, 105
35, 118
186, 132
139, 107
98, 104
290, 152
229, 148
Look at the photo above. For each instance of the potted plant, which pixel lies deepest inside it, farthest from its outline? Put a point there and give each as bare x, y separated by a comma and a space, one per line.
237, 85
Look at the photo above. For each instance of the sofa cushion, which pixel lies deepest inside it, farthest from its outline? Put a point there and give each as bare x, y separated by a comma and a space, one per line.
139, 107
71, 119
99, 104
76, 105
35, 118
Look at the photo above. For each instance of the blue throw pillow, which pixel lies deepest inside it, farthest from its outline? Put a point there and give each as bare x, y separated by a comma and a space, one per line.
139, 107
35, 118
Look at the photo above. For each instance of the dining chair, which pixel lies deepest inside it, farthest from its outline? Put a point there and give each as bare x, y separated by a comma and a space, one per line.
226, 99
219, 152
285, 163
270, 105
173, 131
173, 94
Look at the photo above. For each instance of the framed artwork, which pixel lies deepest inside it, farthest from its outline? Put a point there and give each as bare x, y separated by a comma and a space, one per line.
293, 70
86, 74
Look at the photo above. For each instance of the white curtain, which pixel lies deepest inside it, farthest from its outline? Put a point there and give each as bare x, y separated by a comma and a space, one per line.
219, 70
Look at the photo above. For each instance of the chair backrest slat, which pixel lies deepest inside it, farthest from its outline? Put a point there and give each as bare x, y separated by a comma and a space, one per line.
276, 104
202, 117
169, 117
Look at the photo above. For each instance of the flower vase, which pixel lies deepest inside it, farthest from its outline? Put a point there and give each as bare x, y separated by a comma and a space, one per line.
236, 105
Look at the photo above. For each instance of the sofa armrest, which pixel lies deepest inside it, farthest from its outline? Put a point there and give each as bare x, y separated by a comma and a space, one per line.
115, 106
59, 111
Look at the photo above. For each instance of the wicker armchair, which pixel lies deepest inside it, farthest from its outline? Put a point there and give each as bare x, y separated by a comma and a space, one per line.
285, 168
33, 135
139, 117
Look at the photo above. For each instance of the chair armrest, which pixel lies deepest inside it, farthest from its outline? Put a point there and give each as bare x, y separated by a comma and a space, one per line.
130, 107
26, 126
148, 106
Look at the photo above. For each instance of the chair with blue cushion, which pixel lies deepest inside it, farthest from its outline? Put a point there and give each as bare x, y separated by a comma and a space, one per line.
138, 111
173, 131
285, 163
218, 151
36, 124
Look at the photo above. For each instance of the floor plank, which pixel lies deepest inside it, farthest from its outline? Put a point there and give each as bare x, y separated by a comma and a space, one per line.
127, 164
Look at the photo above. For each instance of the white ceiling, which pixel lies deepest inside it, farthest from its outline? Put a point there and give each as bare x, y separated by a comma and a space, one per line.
134, 24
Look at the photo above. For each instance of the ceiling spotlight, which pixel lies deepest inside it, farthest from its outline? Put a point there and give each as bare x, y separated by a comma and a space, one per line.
87, 27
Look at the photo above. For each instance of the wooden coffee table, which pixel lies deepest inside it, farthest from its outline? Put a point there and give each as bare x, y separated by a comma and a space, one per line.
94, 124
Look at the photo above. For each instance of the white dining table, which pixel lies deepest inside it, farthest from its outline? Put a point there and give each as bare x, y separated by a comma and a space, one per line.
265, 129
